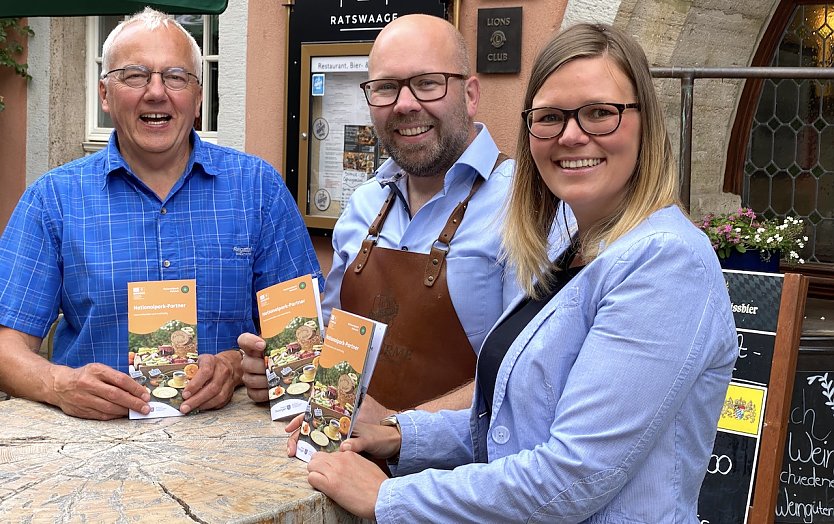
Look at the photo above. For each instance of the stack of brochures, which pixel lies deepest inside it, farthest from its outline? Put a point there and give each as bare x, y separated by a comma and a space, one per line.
351, 347
324, 377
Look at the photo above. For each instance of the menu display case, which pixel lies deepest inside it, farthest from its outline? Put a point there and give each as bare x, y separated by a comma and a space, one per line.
338, 149
329, 144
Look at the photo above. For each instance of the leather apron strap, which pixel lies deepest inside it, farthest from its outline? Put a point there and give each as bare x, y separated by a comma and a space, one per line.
373, 234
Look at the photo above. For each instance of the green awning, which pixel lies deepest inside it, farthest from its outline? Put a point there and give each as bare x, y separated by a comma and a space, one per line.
20, 8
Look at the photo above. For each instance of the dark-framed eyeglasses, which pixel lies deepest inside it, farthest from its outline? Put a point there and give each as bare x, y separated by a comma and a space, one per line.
596, 119
426, 87
174, 78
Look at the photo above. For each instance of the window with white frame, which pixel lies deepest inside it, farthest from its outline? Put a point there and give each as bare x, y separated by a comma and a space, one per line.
204, 29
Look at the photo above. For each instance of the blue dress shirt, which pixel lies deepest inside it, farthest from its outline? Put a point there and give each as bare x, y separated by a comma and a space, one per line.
605, 406
479, 285
84, 230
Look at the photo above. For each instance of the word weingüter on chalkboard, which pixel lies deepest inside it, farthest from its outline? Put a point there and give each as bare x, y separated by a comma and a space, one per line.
806, 491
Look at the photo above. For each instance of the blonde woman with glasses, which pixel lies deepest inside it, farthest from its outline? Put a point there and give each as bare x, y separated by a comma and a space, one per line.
598, 391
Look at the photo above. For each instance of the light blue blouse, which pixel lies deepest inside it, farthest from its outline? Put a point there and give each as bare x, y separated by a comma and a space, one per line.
605, 406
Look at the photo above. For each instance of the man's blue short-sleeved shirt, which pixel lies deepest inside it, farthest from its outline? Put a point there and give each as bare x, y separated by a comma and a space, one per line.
84, 230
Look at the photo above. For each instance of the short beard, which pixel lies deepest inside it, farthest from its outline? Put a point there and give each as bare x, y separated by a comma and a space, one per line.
421, 161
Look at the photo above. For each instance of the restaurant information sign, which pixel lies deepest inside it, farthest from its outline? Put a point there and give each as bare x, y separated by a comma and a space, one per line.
343, 151
727, 491
330, 144
354, 20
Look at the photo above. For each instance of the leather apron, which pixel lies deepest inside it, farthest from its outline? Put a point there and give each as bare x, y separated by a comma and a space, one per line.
426, 352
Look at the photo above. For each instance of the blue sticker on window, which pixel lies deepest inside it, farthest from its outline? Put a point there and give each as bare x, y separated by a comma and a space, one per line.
318, 84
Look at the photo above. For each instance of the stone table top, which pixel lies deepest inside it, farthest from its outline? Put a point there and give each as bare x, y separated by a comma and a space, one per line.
228, 465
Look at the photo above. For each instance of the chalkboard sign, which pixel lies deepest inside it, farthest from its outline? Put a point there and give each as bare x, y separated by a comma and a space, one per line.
806, 488
739, 487
730, 475
728, 485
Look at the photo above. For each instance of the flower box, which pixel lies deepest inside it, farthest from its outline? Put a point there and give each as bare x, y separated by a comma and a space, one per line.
744, 240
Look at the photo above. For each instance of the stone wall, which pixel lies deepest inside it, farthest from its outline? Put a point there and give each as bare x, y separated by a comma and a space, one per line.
57, 92
67, 100
231, 118
701, 34
691, 33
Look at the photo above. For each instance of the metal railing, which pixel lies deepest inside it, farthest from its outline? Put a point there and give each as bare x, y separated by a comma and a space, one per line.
687, 76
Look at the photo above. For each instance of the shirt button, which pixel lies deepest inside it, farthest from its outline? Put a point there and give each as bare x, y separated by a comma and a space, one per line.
166, 263
500, 434
404, 248
164, 211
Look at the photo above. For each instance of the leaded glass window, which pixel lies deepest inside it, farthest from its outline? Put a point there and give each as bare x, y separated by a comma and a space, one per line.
790, 161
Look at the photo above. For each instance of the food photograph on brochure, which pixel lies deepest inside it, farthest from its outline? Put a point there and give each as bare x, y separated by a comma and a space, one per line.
290, 320
162, 342
351, 347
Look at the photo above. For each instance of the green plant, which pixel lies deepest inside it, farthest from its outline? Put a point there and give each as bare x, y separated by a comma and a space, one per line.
743, 230
11, 50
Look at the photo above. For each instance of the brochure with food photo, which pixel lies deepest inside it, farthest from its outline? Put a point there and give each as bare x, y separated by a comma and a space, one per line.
162, 341
347, 360
290, 318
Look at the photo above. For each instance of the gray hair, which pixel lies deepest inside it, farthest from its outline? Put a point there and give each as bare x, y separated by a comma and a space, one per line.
152, 19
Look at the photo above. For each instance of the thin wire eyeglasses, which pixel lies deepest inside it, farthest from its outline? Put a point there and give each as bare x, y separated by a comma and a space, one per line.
426, 87
174, 78
597, 119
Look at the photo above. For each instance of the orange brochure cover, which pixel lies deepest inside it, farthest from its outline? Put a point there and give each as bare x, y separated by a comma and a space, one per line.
348, 356
290, 318
162, 341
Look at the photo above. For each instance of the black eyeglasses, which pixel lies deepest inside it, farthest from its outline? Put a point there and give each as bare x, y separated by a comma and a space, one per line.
425, 88
174, 78
594, 119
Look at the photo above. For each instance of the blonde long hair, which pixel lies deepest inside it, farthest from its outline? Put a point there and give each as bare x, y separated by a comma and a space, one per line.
532, 208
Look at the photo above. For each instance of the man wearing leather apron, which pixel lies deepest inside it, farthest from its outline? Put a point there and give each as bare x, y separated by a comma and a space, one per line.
417, 247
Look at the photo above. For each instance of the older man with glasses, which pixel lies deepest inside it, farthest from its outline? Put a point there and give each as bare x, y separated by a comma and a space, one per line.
418, 246
156, 204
